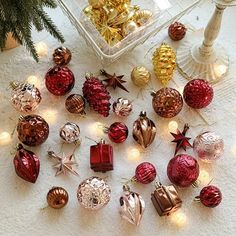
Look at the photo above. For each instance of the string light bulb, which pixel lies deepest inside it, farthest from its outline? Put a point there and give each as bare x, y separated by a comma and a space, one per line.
41, 49
5, 138
32, 79
179, 218
97, 128
133, 154
50, 115
173, 126
204, 177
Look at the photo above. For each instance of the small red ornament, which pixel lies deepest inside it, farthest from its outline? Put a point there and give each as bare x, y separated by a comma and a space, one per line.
118, 132
101, 157
177, 31
198, 93
59, 80
183, 170
26, 164
210, 196
145, 173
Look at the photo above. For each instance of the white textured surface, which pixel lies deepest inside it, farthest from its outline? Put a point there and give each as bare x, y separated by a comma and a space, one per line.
21, 203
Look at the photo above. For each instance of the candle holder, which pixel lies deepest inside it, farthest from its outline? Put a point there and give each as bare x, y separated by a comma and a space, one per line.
208, 60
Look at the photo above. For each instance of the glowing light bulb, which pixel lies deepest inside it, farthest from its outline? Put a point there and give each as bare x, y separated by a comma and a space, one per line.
173, 126
42, 49
5, 138
50, 115
204, 177
220, 70
133, 154
179, 218
233, 150
96, 129
34, 80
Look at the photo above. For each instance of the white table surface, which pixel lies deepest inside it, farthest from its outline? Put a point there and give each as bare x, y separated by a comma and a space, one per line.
21, 202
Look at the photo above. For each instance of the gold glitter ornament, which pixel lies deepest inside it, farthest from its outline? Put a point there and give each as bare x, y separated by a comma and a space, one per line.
116, 3
140, 76
164, 63
129, 28
142, 17
97, 3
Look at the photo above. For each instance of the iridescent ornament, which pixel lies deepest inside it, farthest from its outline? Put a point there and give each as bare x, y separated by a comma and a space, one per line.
97, 3
177, 31
93, 193
167, 102
62, 56
70, 133
117, 132
122, 107
145, 173
57, 197
75, 104
129, 28
25, 97
208, 146
142, 17
140, 76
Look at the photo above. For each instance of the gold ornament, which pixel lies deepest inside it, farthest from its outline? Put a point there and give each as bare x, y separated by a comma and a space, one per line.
57, 197
129, 28
142, 17
164, 62
140, 76
97, 3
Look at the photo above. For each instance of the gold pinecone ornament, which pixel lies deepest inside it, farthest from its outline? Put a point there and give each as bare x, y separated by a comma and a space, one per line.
164, 63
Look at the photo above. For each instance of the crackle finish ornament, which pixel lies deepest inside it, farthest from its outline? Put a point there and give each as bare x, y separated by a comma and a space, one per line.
122, 107
208, 146
70, 132
75, 104
62, 56
93, 193
57, 197
25, 97
140, 76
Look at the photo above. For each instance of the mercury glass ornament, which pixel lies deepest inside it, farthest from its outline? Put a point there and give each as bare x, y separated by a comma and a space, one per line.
70, 132
140, 76
75, 104
208, 146
57, 197
122, 107
62, 56
93, 193
25, 97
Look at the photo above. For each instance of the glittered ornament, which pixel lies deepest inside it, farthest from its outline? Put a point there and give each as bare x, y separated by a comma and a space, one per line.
25, 97
26, 164
59, 80
117, 132
164, 63
140, 76
210, 196
183, 170
75, 104
96, 95
167, 102
177, 31
143, 17
32, 130
57, 197
208, 146
93, 193
70, 133
122, 107
62, 56
198, 93
129, 28
145, 173
96, 3
132, 206
144, 130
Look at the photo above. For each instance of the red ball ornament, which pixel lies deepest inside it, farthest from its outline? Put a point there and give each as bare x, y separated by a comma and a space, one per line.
118, 132
145, 173
59, 80
198, 93
183, 170
177, 31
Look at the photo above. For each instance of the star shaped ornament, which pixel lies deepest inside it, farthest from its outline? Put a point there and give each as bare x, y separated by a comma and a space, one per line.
181, 140
63, 164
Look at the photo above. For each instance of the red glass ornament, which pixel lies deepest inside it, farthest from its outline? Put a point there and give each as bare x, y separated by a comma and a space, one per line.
177, 31
59, 80
145, 173
198, 93
101, 157
183, 170
118, 132
26, 164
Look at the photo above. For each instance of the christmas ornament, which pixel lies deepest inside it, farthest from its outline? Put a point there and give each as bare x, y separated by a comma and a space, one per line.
210, 196
117, 132
167, 102
165, 199
114, 80
63, 164
101, 157
132, 206
144, 130
25, 97
32, 130
96, 95
164, 63
59, 80
122, 107
140, 76
62, 56
129, 28
57, 197
198, 93
177, 31
96, 3
181, 140
93, 193
183, 170
26, 164
142, 17
208, 146
70, 133
75, 103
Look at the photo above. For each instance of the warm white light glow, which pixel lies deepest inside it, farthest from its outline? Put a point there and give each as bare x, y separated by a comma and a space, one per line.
96, 129
5, 138
133, 154
34, 80
220, 70
204, 177
233, 150
163, 4
173, 126
49, 115
179, 218
181, 89
42, 49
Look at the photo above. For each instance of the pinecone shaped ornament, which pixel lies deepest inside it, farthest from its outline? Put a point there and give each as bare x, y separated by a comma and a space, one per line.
96, 95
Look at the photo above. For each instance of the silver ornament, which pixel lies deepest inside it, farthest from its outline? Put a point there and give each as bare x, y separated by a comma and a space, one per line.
93, 193
122, 107
208, 146
70, 132
25, 97
132, 206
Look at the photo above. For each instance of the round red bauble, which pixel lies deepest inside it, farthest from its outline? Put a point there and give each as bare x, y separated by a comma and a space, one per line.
177, 31
145, 173
198, 93
183, 170
118, 132
59, 80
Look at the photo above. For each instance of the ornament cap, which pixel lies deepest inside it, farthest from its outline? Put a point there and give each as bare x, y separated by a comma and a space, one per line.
102, 141
197, 199
143, 114
88, 75
19, 146
126, 188
14, 85
153, 93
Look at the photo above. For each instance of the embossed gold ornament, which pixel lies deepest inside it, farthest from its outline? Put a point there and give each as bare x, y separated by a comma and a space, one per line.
97, 3
142, 17
140, 76
164, 63
57, 197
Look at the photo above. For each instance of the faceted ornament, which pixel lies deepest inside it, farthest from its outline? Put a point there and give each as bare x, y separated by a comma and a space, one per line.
75, 104
62, 56
122, 107
57, 197
140, 76
177, 31
145, 173
26, 164
118, 132
70, 132
132, 206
